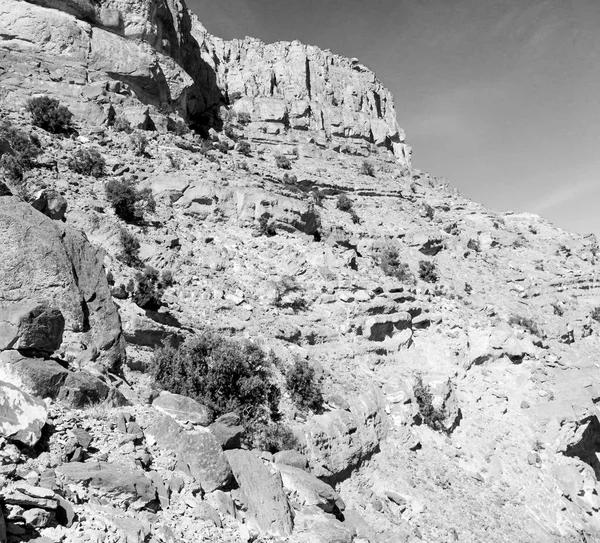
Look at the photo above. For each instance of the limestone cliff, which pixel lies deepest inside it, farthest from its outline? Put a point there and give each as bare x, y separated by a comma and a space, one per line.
155, 53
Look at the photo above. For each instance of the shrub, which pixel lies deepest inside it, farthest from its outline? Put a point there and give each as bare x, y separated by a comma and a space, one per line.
344, 203
87, 162
129, 203
427, 271
432, 417
48, 113
366, 168
149, 289
526, 323
389, 261
317, 197
283, 162
354, 216
595, 314
121, 124
427, 211
179, 128
138, 143
225, 375
230, 133
12, 168
234, 96
474, 245
266, 227
130, 248
244, 118
25, 148
244, 148
221, 146
272, 437
289, 179
303, 387
284, 286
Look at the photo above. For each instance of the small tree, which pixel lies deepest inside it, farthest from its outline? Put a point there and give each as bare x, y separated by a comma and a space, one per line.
427, 271
266, 227
244, 148
138, 143
128, 202
283, 162
301, 382
87, 162
366, 168
149, 289
432, 417
344, 203
48, 113
389, 261
130, 247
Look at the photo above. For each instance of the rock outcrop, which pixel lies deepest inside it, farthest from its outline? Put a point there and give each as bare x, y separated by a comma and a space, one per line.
44, 261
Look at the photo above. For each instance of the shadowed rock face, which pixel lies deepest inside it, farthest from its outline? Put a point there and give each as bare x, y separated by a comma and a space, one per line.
46, 261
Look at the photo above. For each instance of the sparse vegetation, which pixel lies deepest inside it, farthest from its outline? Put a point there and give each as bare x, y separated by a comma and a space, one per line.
150, 288
474, 245
87, 162
389, 261
283, 162
526, 323
121, 124
302, 384
366, 168
244, 118
271, 437
430, 415
244, 148
266, 227
427, 271
128, 202
289, 179
427, 211
25, 150
130, 247
226, 375
344, 203
138, 142
595, 314
50, 115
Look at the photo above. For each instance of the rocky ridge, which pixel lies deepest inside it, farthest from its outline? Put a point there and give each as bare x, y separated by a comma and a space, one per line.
499, 326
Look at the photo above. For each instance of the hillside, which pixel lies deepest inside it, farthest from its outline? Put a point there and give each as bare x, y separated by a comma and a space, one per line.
260, 201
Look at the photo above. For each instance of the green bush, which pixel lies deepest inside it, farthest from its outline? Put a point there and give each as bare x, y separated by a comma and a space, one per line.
128, 202
12, 168
303, 387
25, 148
149, 289
130, 248
289, 179
138, 142
432, 417
121, 124
354, 216
474, 245
244, 118
266, 227
87, 162
344, 203
48, 113
244, 148
526, 323
427, 271
389, 261
595, 314
366, 168
283, 162
226, 375
273, 437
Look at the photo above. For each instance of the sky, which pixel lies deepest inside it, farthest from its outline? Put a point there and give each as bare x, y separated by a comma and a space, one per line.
499, 97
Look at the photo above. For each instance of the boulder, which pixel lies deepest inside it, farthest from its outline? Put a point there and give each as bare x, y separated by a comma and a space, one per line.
339, 440
308, 490
198, 453
31, 326
37, 376
50, 203
183, 409
120, 483
227, 431
46, 261
291, 458
262, 492
82, 388
313, 526
22, 416
2, 528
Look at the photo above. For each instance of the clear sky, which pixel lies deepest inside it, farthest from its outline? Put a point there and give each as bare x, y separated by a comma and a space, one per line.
500, 97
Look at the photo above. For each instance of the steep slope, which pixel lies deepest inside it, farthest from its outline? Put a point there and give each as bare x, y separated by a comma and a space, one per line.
302, 227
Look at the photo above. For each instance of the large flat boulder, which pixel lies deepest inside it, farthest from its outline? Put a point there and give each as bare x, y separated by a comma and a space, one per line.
183, 409
22, 416
117, 482
263, 493
46, 261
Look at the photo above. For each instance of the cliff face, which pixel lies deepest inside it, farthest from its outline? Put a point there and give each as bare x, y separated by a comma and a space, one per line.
163, 57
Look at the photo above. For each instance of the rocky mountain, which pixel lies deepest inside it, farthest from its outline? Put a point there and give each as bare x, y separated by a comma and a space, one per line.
232, 310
